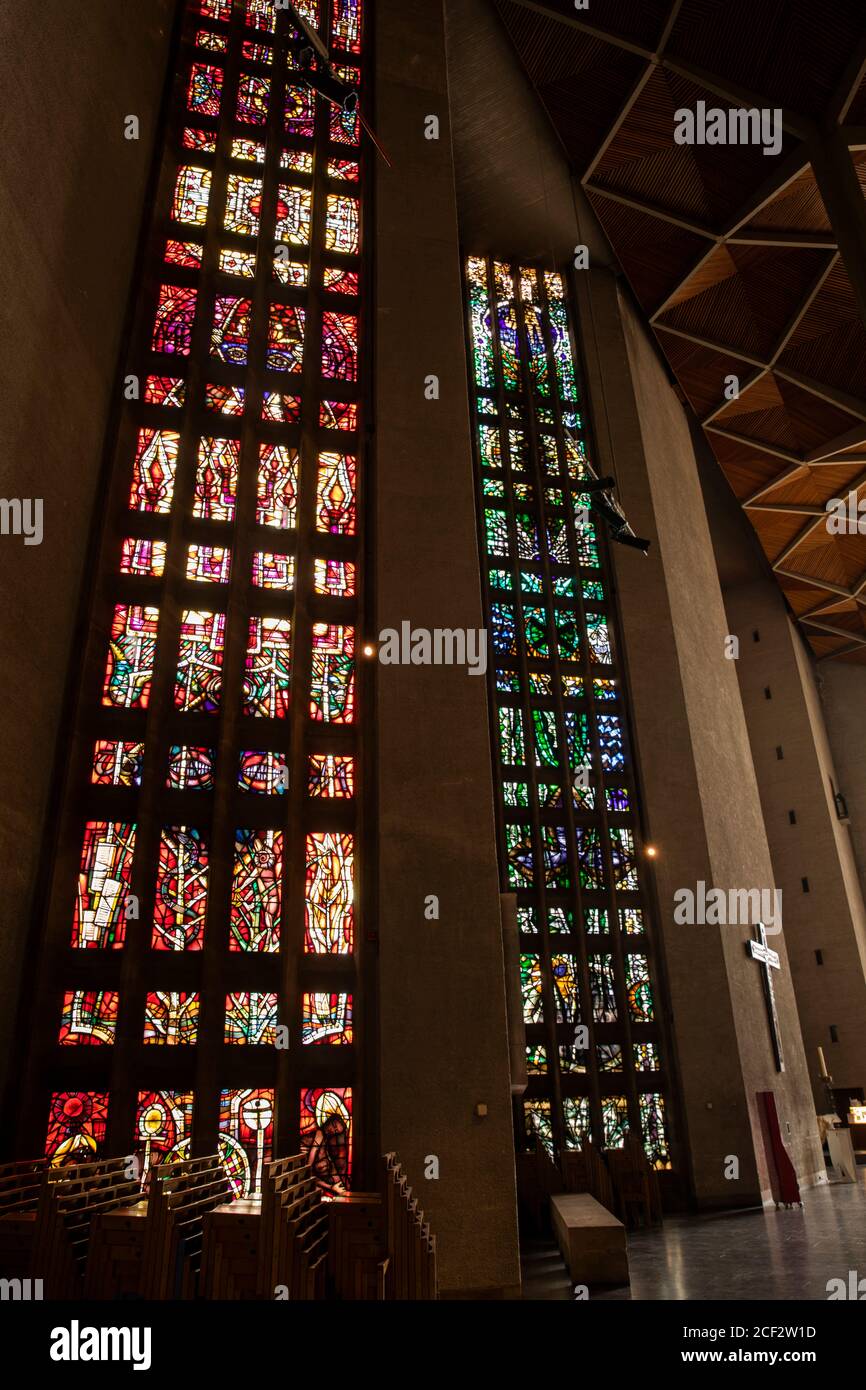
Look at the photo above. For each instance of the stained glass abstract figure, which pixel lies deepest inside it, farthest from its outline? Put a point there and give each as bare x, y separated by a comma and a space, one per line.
329, 894
250, 319
231, 330
560, 728
171, 1018
268, 678
336, 494
216, 479
153, 471
326, 1136
246, 1126
205, 89
117, 764
332, 683
277, 486
163, 1123
175, 313
263, 772
327, 1019
77, 1123
190, 769
89, 1018
198, 684
191, 195
143, 557
181, 891
331, 775
339, 346
294, 216
243, 205
256, 891
131, 654
251, 1019
273, 571
99, 920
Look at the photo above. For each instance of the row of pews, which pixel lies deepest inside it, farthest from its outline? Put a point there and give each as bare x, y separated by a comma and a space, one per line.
92, 1231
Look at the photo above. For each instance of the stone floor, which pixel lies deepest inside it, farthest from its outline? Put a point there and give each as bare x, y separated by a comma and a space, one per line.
755, 1254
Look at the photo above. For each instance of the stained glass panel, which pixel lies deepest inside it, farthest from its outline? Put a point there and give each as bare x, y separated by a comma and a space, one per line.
198, 684
267, 683
89, 1017
181, 891
77, 1122
131, 654
246, 1126
332, 682
326, 1136
327, 1019
256, 891
329, 894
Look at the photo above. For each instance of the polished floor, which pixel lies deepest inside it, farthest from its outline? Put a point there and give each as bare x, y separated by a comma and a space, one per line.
770, 1254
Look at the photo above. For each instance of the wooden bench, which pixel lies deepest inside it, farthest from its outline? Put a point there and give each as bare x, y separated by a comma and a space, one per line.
181, 1193
411, 1271
20, 1186
635, 1185
591, 1240
116, 1254
231, 1247
71, 1199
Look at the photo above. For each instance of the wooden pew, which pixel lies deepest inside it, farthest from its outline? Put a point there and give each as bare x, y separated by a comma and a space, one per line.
20, 1186
282, 1176
358, 1249
584, 1170
411, 1271
231, 1250
70, 1200
180, 1196
637, 1199
115, 1259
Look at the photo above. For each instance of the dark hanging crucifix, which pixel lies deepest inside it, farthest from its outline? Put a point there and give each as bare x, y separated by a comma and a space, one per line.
769, 959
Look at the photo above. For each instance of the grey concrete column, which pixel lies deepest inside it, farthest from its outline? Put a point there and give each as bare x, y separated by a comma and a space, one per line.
445, 1082
701, 797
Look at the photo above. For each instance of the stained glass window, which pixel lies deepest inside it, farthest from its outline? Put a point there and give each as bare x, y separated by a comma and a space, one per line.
330, 894
163, 1121
77, 1121
246, 1125
218, 715
100, 915
89, 1016
251, 1018
326, 1135
561, 751
181, 891
256, 891
171, 1018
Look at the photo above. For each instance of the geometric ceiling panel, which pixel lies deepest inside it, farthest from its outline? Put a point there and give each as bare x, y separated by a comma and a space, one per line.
733, 255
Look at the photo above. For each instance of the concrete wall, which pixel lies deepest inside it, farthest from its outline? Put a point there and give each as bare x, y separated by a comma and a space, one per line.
701, 797
830, 917
842, 687
71, 198
444, 1042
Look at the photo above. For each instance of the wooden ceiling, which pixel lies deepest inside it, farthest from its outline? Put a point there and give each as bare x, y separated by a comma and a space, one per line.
745, 264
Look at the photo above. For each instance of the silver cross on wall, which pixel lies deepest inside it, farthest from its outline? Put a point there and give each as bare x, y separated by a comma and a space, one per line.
769, 959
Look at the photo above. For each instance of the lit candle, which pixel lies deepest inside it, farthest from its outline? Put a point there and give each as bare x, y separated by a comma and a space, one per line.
822, 1063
